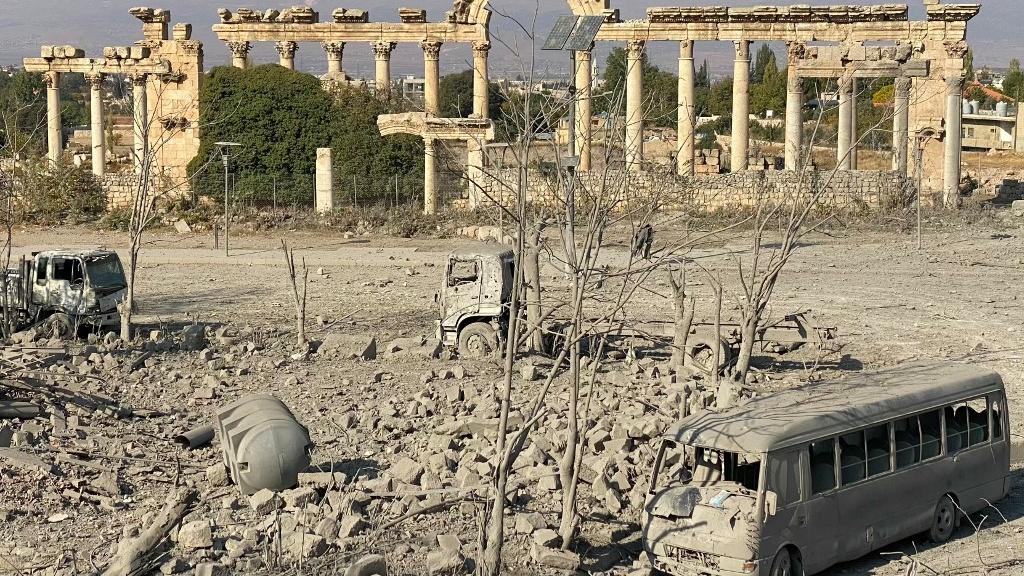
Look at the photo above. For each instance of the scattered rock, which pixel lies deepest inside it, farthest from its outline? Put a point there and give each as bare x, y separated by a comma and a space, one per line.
195, 535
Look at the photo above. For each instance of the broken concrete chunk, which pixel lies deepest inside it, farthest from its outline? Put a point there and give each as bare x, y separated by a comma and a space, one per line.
195, 535
553, 558
372, 565
546, 537
407, 470
350, 526
298, 544
23, 461
445, 562
265, 501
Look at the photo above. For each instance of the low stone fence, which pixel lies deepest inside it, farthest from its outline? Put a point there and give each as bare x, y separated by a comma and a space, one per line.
842, 189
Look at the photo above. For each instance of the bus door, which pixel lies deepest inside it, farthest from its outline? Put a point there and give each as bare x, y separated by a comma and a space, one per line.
814, 524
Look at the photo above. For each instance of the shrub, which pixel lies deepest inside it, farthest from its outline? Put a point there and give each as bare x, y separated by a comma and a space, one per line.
59, 193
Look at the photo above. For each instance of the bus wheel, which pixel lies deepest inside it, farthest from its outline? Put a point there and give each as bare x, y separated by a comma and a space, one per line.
477, 340
944, 522
783, 564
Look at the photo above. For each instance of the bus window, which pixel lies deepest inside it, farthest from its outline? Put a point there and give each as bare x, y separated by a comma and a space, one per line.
823, 465
908, 441
851, 457
997, 417
931, 434
783, 477
877, 443
956, 427
977, 421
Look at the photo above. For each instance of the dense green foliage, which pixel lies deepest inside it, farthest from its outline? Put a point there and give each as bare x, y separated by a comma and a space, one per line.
280, 118
456, 96
23, 110
660, 90
1013, 85
59, 193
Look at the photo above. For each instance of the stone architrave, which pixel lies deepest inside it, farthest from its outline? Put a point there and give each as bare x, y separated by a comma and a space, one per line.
431, 76
324, 198
382, 66
634, 105
240, 53
54, 131
95, 82
740, 107
286, 50
481, 82
687, 112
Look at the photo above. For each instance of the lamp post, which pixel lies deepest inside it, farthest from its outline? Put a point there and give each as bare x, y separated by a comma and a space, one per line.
224, 148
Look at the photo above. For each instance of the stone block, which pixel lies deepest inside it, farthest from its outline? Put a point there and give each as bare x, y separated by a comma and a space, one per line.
350, 346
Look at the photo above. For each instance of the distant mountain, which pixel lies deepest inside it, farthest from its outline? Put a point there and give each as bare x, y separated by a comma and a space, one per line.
93, 24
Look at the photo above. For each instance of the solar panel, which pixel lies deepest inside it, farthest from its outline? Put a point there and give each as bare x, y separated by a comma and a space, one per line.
560, 33
585, 33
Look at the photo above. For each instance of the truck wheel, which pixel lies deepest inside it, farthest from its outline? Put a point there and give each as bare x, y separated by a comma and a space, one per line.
477, 340
700, 353
944, 522
58, 325
784, 565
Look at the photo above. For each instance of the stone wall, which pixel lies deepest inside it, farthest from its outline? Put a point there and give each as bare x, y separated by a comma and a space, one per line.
844, 189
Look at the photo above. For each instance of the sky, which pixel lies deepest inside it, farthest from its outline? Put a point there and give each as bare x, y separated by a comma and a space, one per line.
92, 24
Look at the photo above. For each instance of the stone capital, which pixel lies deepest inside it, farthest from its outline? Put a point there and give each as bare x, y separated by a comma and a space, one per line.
686, 49
382, 50
287, 48
635, 48
584, 55
742, 48
335, 49
431, 49
795, 51
481, 49
52, 79
902, 84
95, 79
956, 48
239, 49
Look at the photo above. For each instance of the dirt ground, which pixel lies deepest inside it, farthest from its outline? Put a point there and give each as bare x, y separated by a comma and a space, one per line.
960, 297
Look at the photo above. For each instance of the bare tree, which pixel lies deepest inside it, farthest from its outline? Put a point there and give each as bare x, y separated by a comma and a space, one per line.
299, 295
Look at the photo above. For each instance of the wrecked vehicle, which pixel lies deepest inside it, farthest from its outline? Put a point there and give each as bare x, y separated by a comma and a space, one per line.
474, 299
67, 289
794, 482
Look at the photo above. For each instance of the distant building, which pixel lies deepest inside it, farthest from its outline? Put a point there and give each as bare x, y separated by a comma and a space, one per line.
413, 89
996, 129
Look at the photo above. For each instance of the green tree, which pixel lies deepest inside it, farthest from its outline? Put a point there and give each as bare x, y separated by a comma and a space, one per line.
280, 117
720, 97
765, 58
660, 89
969, 64
1013, 84
703, 78
770, 93
456, 96
23, 105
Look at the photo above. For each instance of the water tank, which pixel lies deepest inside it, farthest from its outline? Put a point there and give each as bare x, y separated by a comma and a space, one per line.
965, 107
264, 445
975, 106
1002, 109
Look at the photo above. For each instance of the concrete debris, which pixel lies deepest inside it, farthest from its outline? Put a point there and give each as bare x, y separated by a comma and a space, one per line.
372, 565
195, 534
350, 346
553, 558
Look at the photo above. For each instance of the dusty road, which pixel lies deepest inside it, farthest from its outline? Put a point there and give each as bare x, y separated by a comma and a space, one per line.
960, 297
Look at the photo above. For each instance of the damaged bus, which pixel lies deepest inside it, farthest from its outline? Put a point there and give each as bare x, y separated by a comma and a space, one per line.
791, 483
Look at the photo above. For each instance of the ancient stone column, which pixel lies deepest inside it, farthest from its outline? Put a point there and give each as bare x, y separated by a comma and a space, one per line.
429, 177
54, 135
382, 66
481, 82
335, 52
634, 105
140, 120
740, 107
794, 107
584, 108
96, 123
240, 54
687, 114
324, 198
953, 142
431, 77
474, 170
286, 50
901, 126
845, 123
853, 123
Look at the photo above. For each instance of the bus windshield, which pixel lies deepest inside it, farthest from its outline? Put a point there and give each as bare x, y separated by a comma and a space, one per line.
701, 466
105, 271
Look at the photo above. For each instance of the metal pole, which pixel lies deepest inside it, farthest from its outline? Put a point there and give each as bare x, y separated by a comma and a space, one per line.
355, 193
274, 180
226, 206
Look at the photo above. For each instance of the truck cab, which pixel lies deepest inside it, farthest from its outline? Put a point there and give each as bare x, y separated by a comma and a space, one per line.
85, 286
474, 299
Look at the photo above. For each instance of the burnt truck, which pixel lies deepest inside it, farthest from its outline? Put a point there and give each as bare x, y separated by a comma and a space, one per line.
473, 302
473, 309
66, 289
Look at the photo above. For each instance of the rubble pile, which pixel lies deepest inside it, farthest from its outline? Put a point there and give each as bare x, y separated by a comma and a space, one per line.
404, 452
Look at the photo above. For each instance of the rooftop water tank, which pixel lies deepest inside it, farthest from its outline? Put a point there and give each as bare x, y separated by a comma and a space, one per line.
1002, 109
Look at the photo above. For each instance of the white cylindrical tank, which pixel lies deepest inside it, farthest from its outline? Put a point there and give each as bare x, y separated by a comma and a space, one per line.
966, 106
1002, 109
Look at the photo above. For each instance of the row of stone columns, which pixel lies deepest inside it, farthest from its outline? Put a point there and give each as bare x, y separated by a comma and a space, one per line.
54, 132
